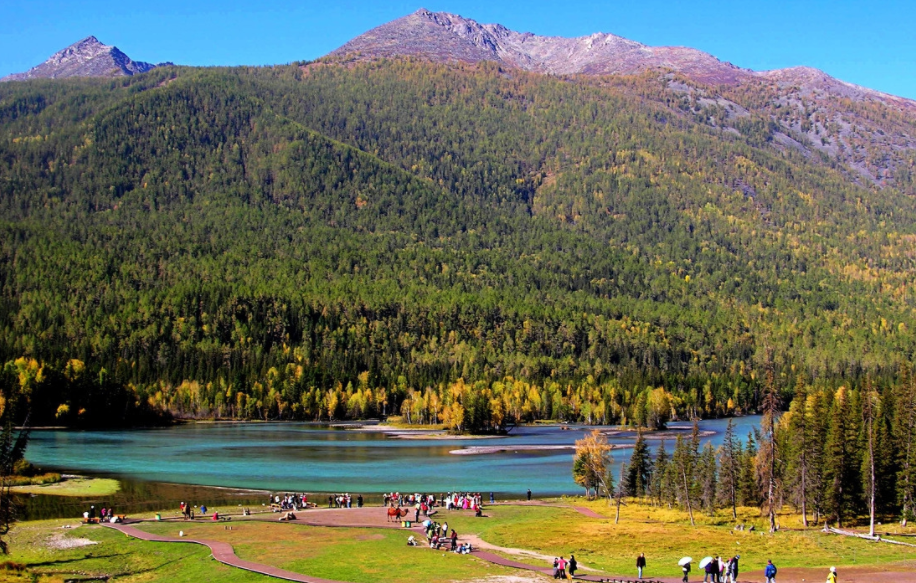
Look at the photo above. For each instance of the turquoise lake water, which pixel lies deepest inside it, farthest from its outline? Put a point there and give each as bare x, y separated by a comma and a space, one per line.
313, 458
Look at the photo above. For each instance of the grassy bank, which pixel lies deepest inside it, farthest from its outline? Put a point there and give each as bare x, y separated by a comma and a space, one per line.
74, 486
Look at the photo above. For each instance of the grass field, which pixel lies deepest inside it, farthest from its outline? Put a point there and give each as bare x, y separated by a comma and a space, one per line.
360, 555
73, 487
369, 555
665, 536
53, 554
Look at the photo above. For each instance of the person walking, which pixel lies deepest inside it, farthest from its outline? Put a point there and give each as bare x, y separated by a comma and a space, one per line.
492, 498
640, 563
770, 572
712, 568
573, 565
831, 576
686, 569
529, 494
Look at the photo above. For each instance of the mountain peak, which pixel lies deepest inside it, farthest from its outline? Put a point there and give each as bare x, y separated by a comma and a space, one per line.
441, 36
88, 57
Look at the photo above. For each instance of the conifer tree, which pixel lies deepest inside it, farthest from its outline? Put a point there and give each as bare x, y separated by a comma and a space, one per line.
817, 421
748, 488
707, 478
870, 410
729, 468
683, 466
659, 487
842, 463
905, 439
798, 466
768, 455
639, 470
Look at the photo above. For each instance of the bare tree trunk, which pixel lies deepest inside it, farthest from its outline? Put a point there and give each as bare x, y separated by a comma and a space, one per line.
871, 465
771, 487
687, 497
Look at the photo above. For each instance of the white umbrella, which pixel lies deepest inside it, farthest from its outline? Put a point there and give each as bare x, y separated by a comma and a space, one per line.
705, 561
685, 561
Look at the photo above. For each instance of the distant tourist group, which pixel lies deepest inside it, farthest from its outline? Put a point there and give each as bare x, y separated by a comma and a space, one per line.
344, 501
565, 569
105, 515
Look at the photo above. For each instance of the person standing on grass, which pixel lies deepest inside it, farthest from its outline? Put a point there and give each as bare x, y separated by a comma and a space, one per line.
770, 572
573, 565
831, 576
640, 563
529, 494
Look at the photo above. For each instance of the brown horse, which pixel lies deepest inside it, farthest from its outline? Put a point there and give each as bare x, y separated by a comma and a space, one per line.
396, 513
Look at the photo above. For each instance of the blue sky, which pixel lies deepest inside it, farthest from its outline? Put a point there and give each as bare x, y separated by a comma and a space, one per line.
871, 43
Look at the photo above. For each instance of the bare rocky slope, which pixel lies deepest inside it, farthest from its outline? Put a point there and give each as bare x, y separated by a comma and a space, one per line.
86, 58
873, 134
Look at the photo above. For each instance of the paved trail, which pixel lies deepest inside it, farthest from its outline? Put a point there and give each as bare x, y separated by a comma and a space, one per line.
223, 553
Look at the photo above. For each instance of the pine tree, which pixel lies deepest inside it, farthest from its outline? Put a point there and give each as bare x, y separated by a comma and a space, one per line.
871, 406
659, 487
707, 478
842, 461
639, 471
816, 419
905, 439
683, 465
729, 468
748, 490
768, 455
798, 442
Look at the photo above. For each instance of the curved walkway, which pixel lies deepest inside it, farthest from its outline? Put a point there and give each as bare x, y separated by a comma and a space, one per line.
223, 553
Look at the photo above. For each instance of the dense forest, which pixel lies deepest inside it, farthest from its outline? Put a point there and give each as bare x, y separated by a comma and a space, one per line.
834, 456
451, 243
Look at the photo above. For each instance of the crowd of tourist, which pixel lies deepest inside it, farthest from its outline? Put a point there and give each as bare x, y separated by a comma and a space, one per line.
426, 502
104, 515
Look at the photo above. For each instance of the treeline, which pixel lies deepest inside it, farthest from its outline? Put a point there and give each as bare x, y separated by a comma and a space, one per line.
332, 242
834, 456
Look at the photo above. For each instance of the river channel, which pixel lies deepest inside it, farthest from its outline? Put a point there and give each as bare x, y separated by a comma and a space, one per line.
305, 457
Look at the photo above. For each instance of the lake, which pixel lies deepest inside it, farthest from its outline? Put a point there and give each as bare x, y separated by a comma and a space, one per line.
306, 457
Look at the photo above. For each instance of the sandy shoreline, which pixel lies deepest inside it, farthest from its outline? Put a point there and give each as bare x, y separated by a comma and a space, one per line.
490, 449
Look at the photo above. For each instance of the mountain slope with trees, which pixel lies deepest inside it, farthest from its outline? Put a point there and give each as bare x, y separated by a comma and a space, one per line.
452, 242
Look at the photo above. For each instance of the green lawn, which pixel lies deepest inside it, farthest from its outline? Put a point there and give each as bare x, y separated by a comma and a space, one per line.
360, 555
370, 555
36, 545
73, 487
666, 536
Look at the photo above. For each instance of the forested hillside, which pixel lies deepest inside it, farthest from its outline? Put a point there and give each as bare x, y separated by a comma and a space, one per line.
461, 242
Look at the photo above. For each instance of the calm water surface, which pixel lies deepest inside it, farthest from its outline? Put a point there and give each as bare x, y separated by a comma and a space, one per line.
313, 458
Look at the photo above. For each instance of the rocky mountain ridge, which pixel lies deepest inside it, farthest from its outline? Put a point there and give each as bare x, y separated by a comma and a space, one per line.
871, 133
88, 57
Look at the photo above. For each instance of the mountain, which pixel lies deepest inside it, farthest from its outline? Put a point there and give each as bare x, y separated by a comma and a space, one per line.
345, 239
440, 36
872, 134
86, 58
